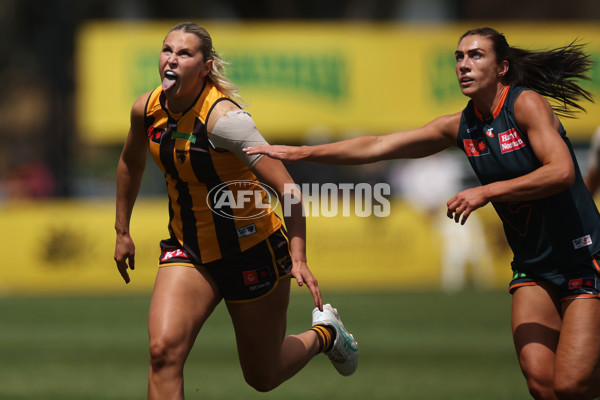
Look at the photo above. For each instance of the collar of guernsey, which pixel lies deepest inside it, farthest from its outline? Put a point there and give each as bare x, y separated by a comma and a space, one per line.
217, 207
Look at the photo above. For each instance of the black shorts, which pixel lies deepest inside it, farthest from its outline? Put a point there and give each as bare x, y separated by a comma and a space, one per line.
248, 276
581, 281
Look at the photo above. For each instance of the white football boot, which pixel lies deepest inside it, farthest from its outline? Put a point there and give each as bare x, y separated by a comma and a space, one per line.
344, 352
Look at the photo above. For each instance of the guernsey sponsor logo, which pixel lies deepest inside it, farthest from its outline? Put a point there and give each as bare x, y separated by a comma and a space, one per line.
587, 284
257, 279
475, 147
154, 134
472, 129
168, 254
510, 141
246, 230
582, 242
575, 284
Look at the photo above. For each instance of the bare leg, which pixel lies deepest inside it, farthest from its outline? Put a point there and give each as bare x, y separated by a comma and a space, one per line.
577, 365
267, 356
536, 323
182, 300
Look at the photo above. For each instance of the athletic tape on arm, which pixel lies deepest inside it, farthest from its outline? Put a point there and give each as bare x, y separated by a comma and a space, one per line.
235, 131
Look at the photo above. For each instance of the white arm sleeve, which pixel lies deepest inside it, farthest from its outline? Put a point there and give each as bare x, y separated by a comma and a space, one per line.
235, 131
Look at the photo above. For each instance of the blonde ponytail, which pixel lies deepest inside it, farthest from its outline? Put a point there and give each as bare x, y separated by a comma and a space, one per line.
218, 78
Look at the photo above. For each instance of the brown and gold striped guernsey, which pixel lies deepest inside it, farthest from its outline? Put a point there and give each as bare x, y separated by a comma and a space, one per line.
180, 147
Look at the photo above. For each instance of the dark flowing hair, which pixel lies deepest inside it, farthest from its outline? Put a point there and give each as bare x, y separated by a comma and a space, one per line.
552, 73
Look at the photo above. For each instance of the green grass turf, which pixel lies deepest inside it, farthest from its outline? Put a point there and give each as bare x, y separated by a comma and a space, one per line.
413, 346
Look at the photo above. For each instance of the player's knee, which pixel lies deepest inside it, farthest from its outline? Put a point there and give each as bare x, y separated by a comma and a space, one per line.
262, 382
575, 389
540, 387
571, 393
163, 354
540, 392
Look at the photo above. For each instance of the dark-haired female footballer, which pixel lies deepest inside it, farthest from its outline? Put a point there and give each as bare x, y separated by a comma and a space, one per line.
237, 251
518, 148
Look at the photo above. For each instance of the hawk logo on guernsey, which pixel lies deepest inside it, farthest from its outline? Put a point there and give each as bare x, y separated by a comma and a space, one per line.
510, 141
475, 147
181, 155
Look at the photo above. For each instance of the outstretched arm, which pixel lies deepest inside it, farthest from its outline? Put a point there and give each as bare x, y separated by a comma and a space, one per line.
437, 135
129, 177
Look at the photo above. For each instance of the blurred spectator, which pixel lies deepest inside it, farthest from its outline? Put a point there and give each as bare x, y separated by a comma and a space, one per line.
28, 181
39, 44
428, 183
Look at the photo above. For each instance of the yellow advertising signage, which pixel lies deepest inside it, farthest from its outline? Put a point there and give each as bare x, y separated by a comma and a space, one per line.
67, 247
298, 78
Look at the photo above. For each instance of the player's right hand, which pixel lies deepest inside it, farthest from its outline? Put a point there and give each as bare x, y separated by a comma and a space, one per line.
125, 255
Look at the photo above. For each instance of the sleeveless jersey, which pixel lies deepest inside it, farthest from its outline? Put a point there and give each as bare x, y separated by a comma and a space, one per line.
545, 234
207, 226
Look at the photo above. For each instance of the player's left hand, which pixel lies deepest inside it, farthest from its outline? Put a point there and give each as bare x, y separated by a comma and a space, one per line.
303, 275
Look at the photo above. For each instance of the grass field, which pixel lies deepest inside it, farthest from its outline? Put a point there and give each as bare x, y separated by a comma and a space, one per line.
413, 346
